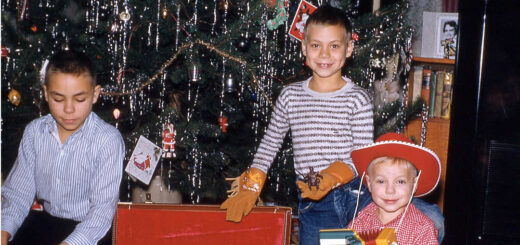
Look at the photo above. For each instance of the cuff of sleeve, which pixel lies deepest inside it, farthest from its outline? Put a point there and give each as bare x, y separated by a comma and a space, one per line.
9, 227
77, 238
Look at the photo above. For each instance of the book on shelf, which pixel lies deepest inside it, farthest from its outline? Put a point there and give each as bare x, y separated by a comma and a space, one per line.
425, 89
439, 87
433, 90
417, 82
446, 95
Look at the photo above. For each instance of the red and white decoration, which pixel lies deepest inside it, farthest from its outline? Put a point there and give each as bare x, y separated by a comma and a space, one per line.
169, 141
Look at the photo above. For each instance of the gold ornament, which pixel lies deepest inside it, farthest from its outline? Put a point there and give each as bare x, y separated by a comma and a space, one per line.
124, 16
34, 28
14, 97
164, 12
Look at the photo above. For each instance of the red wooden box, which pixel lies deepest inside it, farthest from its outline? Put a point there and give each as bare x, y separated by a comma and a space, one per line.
198, 224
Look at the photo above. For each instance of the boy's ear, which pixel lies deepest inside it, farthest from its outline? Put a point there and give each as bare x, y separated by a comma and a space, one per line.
368, 182
45, 92
304, 48
350, 48
97, 91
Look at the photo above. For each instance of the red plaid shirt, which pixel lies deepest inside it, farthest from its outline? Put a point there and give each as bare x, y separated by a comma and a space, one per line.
416, 228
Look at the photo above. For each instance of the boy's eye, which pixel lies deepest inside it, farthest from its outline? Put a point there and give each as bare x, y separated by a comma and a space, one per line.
334, 46
81, 100
58, 99
380, 181
402, 182
314, 45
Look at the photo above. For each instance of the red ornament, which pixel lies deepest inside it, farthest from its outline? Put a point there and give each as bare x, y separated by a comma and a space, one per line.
222, 121
34, 28
355, 36
5, 51
169, 141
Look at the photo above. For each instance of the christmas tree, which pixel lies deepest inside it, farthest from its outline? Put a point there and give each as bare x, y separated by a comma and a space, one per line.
210, 69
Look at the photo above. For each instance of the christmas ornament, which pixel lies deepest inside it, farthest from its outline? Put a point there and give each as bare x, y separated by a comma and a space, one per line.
164, 12
169, 141
34, 28
224, 5
114, 27
5, 51
124, 16
14, 97
223, 122
194, 72
116, 113
281, 15
242, 44
355, 36
229, 85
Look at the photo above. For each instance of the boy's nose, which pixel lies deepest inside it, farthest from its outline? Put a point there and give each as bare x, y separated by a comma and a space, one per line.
390, 188
324, 52
69, 107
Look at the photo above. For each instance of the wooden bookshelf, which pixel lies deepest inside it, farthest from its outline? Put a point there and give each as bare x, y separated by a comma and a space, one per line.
437, 129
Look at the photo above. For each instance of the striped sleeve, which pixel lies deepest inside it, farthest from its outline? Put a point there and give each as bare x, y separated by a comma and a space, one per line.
19, 188
274, 135
362, 121
103, 191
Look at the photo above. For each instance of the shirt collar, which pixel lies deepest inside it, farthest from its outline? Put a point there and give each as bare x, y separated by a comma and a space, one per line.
49, 125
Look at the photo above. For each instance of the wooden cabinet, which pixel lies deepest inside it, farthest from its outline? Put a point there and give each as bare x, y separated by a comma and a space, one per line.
437, 129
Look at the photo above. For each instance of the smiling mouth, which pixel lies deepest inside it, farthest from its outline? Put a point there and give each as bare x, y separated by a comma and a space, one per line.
324, 65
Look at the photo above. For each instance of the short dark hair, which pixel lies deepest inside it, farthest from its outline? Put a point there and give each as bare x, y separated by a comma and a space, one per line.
450, 23
71, 62
328, 15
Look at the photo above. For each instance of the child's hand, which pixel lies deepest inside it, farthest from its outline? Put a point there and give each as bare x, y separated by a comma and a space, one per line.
336, 174
326, 184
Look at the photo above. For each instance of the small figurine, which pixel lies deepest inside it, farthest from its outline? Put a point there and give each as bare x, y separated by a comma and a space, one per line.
169, 141
312, 178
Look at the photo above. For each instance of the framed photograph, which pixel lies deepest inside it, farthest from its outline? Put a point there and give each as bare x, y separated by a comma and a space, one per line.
439, 35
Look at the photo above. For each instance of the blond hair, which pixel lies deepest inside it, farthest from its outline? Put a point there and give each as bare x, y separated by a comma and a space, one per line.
392, 160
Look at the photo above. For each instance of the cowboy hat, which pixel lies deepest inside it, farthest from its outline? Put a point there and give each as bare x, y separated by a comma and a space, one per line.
397, 145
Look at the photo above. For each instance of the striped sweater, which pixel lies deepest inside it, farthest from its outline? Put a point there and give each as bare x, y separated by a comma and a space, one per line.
325, 127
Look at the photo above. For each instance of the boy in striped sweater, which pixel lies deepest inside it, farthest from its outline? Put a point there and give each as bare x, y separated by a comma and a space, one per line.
329, 116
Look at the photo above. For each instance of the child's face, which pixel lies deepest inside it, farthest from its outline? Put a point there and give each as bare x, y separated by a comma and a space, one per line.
391, 185
326, 49
70, 98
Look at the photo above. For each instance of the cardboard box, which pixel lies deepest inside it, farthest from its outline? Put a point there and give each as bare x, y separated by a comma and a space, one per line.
199, 224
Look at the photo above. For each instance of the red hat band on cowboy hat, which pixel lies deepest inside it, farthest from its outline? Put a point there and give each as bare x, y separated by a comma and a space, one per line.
397, 145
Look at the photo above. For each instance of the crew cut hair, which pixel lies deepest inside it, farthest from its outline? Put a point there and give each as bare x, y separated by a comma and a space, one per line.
328, 15
70, 62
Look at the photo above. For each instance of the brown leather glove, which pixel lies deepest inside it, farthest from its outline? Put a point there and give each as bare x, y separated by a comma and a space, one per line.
338, 173
244, 193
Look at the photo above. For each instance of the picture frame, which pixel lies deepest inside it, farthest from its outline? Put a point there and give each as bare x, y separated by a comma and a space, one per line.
439, 35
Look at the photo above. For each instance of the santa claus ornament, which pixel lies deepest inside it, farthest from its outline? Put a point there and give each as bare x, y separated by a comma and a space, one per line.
169, 141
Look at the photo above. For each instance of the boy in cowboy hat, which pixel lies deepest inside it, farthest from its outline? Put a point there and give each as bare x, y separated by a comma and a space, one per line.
396, 171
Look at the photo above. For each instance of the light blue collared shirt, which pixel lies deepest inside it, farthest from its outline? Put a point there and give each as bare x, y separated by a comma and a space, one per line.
77, 180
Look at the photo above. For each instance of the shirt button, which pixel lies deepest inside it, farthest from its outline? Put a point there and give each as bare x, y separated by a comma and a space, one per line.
62, 153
